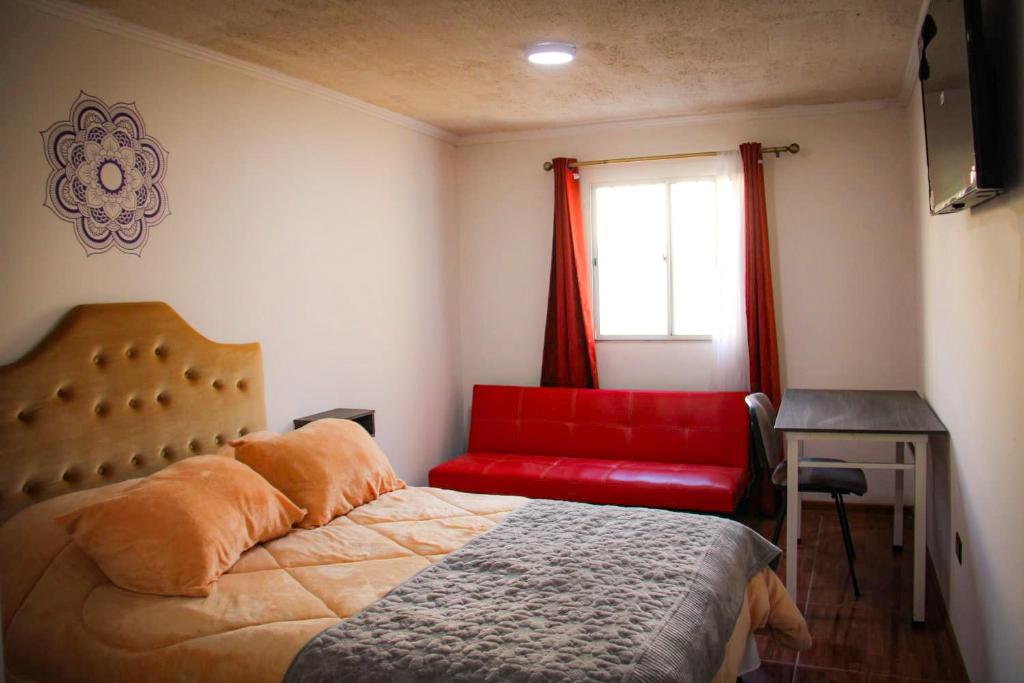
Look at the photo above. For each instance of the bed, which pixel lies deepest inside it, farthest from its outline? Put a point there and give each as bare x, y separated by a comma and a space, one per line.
119, 391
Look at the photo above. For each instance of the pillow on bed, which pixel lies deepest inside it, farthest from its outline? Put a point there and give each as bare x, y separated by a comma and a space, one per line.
182, 527
328, 467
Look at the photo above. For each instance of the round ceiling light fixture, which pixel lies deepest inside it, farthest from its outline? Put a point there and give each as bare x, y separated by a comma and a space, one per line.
551, 52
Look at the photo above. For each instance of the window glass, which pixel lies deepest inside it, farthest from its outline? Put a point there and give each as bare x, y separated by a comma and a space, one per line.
648, 235
632, 274
693, 256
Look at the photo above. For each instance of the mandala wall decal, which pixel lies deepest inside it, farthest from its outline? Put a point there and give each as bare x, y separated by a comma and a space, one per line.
107, 176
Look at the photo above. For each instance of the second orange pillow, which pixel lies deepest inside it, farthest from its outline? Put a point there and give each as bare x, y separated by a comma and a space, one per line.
328, 467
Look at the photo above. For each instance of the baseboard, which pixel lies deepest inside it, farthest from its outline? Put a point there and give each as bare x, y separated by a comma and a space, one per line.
933, 578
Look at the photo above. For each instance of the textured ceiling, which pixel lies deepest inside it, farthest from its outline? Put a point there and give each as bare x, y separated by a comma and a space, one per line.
458, 64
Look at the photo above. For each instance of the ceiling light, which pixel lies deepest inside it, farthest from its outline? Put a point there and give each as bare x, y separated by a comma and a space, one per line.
551, 53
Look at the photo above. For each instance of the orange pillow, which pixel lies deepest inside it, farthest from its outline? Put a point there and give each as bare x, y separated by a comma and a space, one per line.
182, 527
328, 467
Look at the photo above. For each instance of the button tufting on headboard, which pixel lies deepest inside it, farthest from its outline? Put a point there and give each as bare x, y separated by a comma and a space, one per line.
50, 443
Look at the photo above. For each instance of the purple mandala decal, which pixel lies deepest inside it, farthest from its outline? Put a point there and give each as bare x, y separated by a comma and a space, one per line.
107, 175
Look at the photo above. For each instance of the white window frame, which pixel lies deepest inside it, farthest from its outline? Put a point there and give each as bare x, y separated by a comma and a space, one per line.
591, 224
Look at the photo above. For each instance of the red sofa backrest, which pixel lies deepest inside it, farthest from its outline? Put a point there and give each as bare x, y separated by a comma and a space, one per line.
708, 428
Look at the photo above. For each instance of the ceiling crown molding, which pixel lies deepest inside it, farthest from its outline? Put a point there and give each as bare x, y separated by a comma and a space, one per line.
675, 121
107, 23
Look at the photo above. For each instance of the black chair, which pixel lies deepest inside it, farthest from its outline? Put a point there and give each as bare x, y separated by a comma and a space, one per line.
837, 482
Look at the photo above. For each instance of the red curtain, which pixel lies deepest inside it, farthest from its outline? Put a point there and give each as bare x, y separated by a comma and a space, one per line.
570, 357
761, 337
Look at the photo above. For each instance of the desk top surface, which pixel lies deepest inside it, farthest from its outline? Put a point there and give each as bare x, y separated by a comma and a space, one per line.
856, 411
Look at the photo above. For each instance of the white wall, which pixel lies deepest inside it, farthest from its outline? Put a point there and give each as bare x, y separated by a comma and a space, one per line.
972, 301
843, 252
325, 233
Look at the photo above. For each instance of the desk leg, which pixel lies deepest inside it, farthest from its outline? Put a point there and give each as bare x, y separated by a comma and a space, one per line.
794, 449
897, 507
920, 524
799, 497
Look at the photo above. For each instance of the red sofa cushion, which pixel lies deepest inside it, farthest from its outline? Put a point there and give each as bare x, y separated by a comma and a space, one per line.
596, 480
705, 428
681, 450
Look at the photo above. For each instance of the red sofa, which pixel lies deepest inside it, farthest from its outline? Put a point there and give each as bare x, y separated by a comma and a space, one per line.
666, 449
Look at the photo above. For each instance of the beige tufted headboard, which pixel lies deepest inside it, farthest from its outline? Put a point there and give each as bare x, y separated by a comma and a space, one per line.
117, 391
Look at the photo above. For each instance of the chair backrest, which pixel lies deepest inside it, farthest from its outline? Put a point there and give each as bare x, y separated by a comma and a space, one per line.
767, 441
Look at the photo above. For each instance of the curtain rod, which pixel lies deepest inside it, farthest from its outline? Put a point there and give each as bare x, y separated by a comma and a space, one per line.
791, 148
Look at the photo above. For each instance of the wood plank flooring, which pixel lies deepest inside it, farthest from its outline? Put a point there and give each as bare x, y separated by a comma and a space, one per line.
867, 639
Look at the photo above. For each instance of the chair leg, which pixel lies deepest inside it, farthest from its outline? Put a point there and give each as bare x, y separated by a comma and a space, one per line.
779, 519
847, 541
846, 521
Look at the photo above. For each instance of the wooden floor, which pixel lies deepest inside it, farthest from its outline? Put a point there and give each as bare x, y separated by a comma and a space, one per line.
867, 639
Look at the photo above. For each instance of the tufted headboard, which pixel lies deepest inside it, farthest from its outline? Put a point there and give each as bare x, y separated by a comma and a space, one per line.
117, 391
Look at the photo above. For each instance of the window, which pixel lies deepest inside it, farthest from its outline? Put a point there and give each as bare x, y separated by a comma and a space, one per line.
654, 246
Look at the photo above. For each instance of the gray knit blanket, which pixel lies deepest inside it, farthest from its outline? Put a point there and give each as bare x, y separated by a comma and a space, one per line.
558, 591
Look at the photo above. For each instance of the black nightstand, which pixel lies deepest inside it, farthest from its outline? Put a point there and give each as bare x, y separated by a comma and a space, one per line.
361, 415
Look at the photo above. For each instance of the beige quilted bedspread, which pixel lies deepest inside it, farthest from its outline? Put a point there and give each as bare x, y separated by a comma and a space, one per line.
64, 621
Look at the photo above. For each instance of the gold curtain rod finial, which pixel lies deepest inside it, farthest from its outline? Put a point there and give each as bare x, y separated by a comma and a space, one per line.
793, 148
548, 165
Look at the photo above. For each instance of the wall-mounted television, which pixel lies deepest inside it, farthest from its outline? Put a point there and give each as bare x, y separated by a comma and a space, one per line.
960, 117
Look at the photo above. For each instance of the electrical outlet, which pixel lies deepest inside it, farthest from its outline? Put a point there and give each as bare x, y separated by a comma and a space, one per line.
959, 549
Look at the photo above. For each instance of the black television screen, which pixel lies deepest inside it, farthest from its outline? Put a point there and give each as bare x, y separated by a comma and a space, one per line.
959, 110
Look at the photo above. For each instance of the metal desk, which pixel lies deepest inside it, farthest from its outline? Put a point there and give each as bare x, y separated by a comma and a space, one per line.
899, 417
